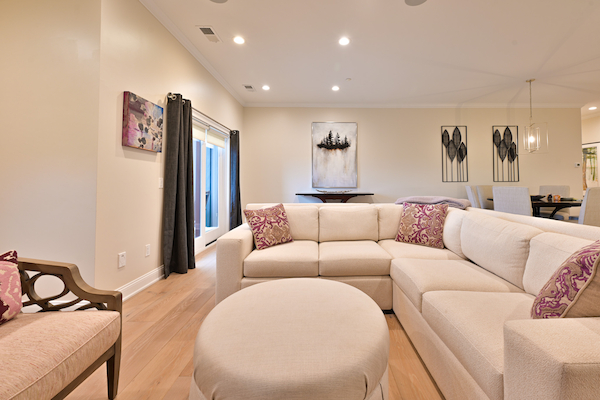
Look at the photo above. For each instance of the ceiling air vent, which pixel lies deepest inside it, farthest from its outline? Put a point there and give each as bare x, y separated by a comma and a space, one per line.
210, 34
250, 88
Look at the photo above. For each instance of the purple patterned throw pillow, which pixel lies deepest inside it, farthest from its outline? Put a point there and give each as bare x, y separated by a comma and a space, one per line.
269, 226
574, 289
423, 224
10, 286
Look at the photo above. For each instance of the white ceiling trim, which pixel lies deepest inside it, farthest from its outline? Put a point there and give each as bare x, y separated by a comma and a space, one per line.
181, 38
371, 105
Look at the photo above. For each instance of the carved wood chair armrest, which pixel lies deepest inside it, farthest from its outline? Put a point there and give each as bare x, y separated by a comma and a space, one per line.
74, 283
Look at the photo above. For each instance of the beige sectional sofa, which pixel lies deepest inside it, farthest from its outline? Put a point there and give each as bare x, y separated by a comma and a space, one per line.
466, 307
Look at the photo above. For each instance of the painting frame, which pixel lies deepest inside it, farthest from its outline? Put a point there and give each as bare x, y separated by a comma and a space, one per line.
143, 123
334, 155
505, 145
589, 165
453, 146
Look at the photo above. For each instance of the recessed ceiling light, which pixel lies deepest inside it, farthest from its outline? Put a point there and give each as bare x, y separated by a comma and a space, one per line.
592, 108
344, 41
414, 2
219, 1
266, 87
335, 88
239, 40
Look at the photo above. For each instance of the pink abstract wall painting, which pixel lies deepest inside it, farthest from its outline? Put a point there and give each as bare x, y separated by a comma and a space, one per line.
142, 123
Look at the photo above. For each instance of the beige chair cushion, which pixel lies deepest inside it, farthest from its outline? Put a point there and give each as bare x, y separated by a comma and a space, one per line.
547, 252
42, 353
500, 246
389, 220
416, 277
295, 259
407, 250
276, 340
471, 324
452, 228
348, 223
304, 222
353, 258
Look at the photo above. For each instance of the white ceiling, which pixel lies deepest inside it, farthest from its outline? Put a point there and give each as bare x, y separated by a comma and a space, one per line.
443, 53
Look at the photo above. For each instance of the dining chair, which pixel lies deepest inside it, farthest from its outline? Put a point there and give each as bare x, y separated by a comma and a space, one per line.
562, 191
590, 207
512, 199
472, 197
484, 192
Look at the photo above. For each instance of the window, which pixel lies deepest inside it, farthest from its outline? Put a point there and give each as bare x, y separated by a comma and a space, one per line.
211, 181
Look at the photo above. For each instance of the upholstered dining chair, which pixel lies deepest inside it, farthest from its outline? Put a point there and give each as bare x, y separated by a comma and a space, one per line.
590, 207
484, 192
512, 199
562, 191
472, 196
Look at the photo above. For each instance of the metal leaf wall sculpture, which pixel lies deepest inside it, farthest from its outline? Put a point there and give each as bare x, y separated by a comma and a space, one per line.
454, 154
505, 153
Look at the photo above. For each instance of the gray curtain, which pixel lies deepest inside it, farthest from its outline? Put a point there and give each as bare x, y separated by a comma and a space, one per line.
178, 202
235, 207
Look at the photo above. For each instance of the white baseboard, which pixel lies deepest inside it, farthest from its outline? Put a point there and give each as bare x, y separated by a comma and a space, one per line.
137, 285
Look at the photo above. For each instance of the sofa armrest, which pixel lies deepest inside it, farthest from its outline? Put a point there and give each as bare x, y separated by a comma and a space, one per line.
74, 283
232, 249
552, 359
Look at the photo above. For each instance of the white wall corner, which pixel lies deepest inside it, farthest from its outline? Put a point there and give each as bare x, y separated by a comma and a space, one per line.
137, 285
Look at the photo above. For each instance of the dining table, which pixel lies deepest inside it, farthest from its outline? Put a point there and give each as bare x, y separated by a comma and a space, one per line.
537, 202
558, 205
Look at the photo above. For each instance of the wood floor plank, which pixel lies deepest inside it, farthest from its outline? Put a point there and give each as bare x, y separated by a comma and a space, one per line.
160, 325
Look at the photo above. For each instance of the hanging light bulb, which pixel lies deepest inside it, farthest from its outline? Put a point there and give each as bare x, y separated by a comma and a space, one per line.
534, 137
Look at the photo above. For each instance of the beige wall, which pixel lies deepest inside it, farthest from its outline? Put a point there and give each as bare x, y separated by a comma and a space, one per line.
590, 130
141, 56
399, 150
50, 57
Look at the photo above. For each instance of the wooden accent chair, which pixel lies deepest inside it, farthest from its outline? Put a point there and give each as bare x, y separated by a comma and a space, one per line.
78, 342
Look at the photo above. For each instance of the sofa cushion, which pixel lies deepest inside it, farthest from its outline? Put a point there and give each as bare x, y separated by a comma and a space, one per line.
407, 250
296, 259
452, 228
500, 246
42, 353
423, 224
355, 258
471, 324
547, 252
269, 226
348, 223
10, 286
388, 216
304, 222
416, 277
574, 289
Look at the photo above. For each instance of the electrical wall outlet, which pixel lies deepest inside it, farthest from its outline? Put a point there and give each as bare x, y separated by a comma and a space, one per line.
147, 250
160, 183
122, 259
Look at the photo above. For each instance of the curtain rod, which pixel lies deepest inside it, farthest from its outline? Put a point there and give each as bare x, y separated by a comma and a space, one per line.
173, 97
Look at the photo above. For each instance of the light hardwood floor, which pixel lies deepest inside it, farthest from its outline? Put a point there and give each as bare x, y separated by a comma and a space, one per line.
160, 325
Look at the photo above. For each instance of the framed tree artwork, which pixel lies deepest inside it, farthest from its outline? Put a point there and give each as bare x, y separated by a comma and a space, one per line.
334, 154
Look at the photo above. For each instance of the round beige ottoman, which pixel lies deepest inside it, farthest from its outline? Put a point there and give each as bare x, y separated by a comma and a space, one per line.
293, 339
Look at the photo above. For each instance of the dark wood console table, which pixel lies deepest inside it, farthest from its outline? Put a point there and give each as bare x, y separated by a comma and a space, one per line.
344, 197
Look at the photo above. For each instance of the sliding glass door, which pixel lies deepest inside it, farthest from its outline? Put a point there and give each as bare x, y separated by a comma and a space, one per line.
211, 184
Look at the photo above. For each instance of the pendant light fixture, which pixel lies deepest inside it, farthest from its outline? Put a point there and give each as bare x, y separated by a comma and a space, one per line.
536, 135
